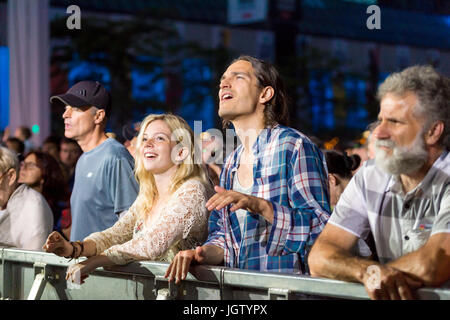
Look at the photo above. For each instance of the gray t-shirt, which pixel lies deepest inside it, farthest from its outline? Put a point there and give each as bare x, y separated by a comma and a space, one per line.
104, 186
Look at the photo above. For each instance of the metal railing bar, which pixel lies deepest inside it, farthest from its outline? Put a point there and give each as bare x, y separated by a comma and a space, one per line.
222, 277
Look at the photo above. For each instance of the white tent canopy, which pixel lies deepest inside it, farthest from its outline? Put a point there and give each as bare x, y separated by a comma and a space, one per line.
28, 42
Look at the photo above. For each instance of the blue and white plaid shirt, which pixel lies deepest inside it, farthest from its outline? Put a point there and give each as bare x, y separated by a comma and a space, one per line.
290, 172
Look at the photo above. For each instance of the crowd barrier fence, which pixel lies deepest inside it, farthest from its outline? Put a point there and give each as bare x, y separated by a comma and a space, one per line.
36, 275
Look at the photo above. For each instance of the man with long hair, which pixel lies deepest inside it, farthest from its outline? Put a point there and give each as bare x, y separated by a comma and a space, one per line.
272, 201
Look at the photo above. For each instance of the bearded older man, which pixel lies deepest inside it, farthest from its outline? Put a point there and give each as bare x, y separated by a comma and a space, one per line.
402, 197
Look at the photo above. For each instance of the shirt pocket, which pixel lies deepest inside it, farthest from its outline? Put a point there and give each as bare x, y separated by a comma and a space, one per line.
415, 239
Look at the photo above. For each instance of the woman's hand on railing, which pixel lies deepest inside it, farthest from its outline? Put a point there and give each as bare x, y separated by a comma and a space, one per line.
179, 267
58, 245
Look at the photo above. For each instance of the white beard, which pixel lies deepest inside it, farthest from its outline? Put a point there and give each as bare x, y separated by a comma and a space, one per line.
403, 160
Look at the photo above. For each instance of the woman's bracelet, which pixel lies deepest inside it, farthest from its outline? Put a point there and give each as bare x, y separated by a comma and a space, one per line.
75, 254
81, 248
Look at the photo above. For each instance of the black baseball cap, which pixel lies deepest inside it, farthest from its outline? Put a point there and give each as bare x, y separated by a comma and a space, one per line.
85, 94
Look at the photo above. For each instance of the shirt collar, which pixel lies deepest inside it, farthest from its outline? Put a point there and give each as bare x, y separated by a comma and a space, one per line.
395, 185
261, 140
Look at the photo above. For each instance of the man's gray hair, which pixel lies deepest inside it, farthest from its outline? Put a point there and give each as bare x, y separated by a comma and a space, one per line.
8, 160
432, 90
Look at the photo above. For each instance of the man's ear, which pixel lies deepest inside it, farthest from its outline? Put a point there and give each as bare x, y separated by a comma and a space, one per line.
100, 116
332, 180
12, 174
434, 133
266, 94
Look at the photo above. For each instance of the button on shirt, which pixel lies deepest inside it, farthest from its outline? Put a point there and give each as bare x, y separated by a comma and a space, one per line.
290, 172
400, 223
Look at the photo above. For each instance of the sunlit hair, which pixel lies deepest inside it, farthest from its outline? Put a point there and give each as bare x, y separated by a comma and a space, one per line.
432, 90
8, 160
188, 169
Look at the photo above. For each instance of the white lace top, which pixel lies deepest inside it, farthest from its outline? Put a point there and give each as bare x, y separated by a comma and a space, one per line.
181, 225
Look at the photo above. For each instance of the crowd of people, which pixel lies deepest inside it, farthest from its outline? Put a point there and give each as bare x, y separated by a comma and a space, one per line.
277, 203
47, 170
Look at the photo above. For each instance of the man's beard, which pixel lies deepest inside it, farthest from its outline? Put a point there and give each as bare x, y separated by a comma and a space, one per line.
403, 160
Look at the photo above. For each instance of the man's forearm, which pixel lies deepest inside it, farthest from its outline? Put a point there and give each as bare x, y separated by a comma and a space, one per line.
213, 255
329, 261
431, 268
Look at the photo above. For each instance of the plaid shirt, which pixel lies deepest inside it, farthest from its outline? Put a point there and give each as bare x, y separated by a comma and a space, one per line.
290, 172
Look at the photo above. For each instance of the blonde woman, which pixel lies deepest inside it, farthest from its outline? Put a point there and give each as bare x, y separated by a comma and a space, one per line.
169, 213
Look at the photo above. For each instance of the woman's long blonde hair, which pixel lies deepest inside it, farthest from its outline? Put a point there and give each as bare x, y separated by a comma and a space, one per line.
187, 169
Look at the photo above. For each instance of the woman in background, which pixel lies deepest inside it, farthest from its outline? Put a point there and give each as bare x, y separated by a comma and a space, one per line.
340, 172
340, 168
41, 172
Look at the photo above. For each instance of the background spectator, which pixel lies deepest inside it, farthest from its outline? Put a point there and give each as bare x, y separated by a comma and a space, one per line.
24, 134
16, 145
51, 146
42, 172
25, 217
340, 168
130, 132
371, 140
212, 156
69, 153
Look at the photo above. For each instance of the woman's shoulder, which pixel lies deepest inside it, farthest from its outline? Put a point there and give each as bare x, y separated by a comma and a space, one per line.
195, 184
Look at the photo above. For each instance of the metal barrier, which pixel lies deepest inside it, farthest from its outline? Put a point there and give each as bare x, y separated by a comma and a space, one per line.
38, 275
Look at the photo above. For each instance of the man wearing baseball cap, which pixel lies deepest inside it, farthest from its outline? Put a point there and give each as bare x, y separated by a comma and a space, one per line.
104, 181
